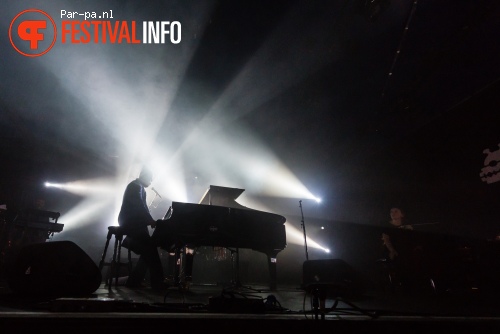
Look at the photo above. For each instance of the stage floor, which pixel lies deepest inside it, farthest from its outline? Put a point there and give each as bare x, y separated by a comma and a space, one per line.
245, 308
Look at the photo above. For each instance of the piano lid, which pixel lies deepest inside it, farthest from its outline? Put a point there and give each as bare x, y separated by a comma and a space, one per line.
222, 196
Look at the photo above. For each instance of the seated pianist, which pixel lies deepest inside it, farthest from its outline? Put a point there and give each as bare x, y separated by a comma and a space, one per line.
135, 218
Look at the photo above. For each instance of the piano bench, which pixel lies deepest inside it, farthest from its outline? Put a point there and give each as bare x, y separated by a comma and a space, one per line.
115, 263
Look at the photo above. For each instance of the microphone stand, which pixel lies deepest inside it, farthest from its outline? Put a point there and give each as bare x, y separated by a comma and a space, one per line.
150, 204
304, 229
156, 195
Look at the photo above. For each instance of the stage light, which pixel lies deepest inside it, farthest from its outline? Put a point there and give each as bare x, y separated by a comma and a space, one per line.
295, 236
85, 213
99, 187
169, 176
53, 185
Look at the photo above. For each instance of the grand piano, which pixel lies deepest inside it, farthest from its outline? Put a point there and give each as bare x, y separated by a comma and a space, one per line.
219, 221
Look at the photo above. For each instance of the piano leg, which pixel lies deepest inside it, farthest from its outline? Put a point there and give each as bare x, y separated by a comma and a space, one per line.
171, 265
186, 258
183, 267
188, 266
177, 266
235, 262
271, 261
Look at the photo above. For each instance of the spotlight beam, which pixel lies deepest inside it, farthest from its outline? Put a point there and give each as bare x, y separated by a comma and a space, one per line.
295, 236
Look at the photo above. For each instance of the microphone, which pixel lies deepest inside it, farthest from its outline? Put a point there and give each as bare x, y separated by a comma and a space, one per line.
152, 188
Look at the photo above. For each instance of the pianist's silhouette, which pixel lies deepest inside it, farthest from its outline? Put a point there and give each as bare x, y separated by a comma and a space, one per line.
135, 218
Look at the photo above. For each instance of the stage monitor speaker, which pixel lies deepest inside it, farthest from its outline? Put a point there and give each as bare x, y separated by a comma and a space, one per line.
334, 276
56, 269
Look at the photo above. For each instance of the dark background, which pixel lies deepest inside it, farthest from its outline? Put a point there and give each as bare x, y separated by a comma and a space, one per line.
363, 125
